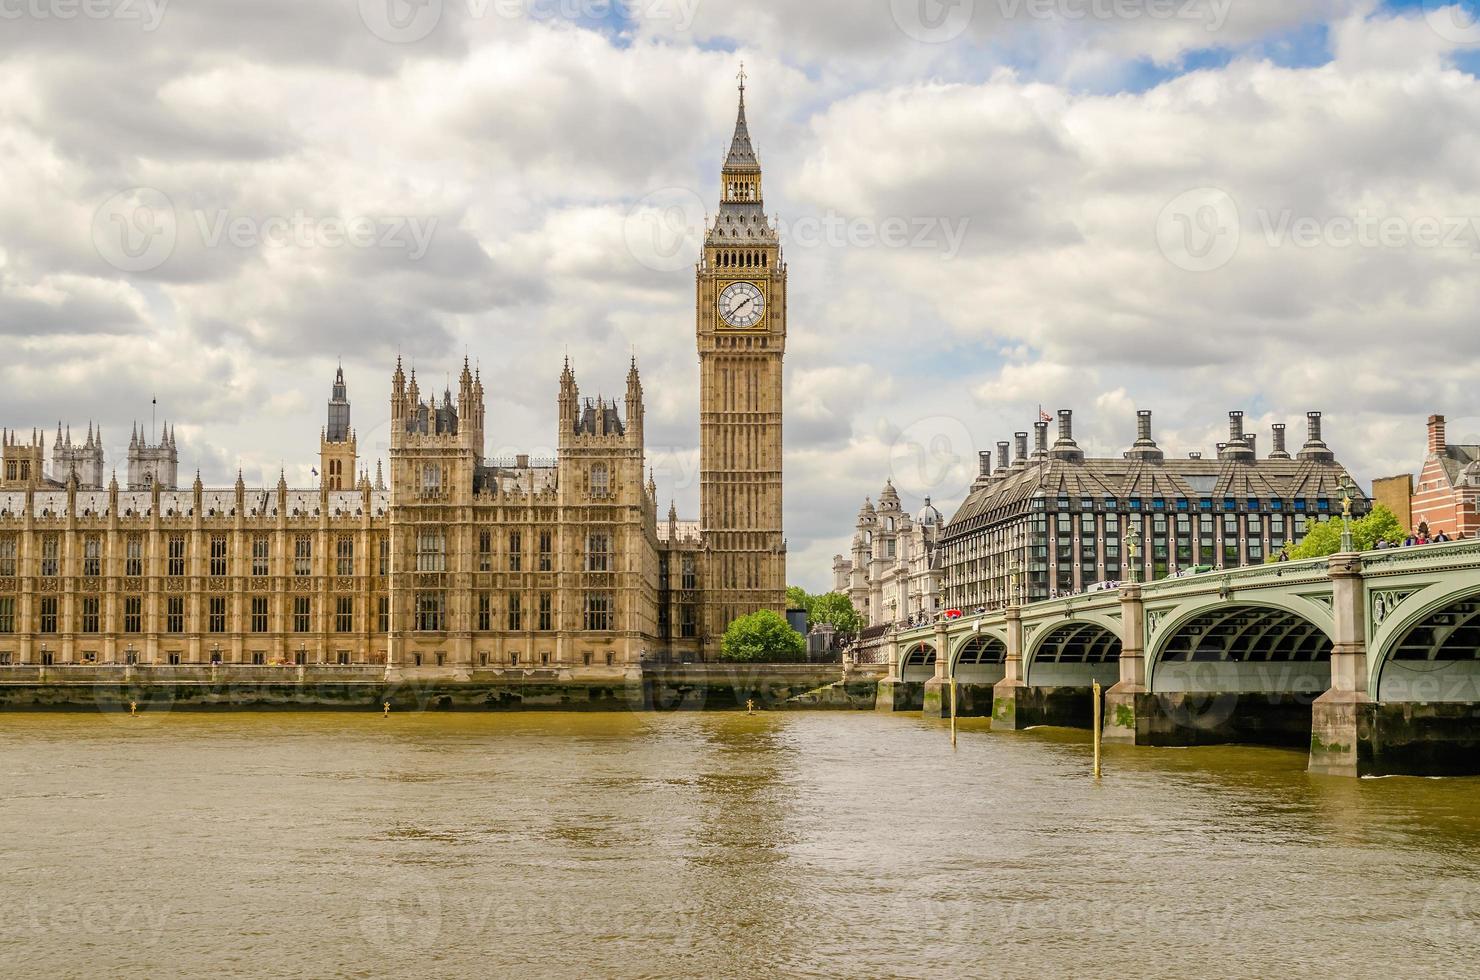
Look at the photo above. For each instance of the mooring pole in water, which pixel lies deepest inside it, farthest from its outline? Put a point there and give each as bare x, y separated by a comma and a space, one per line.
386, 707
1098, 728
953, 712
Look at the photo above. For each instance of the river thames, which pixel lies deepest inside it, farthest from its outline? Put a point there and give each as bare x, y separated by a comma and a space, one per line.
645, 845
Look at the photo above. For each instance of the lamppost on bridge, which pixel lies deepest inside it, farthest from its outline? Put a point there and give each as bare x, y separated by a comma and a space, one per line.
1348, 544
1014, 577
1133, 553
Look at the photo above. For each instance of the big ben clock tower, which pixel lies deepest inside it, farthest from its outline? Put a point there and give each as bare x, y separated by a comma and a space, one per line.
742, 339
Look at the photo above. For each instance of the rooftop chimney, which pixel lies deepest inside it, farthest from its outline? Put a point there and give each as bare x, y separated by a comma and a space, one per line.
1002, 460
1066, 448
984, 463
1040, 439
1236, 448
1279, 451
1021, 439
1438, 444
1314, 448
1145, 447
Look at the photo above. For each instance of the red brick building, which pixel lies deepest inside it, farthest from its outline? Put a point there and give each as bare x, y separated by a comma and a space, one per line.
1447, 497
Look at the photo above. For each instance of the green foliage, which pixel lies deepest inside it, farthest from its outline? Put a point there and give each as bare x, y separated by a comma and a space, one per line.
831, 608
1325, 538
837, 611
763, 638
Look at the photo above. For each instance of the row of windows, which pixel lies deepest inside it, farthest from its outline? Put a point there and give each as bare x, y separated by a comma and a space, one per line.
431, 610
1251, 504
90, 614
431, 554
175, 555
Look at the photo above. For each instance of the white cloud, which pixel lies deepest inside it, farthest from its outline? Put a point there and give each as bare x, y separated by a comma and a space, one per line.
531, 147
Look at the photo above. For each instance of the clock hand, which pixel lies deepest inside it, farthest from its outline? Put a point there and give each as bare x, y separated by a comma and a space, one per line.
743, 305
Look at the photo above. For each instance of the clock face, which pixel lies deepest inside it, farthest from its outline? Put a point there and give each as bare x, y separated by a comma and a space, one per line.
742, 304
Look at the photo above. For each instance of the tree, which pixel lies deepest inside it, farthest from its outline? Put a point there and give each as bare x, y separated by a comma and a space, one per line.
1324, 538
763, 637
831, 608
836, 610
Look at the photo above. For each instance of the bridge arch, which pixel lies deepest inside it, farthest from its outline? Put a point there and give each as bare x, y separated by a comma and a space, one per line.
1431, 652
980, 658
917, 663
1074, 653
1259, 645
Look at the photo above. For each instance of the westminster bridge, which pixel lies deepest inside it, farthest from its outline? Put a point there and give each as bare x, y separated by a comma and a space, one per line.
1373, 660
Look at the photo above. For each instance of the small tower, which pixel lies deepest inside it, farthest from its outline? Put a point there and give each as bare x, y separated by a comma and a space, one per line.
85, 458
23, 459
148, 464
337, 451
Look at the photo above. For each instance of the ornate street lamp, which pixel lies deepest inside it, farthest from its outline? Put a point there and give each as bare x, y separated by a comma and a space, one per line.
1014, 577
1133, 555
1348, 544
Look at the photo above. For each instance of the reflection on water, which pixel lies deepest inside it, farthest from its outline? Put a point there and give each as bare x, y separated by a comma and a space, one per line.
722, 844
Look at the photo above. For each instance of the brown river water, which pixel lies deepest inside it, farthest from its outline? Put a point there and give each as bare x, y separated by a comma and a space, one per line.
715, 845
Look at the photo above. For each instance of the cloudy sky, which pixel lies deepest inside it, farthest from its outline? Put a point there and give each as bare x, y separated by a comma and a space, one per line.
1190, 206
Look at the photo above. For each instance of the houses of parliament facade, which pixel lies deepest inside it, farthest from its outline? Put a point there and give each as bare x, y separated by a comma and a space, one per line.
457, 560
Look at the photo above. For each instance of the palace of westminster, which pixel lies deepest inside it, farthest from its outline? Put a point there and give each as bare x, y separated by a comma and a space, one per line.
462, 560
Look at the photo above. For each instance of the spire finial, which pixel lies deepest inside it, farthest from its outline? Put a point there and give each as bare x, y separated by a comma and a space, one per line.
742, 76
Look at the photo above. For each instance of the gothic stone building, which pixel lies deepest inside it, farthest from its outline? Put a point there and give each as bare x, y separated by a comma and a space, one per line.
1051, 522
895, 572
461, 561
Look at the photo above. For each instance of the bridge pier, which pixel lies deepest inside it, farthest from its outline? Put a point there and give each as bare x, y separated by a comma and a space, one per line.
1129, 707
1010, 693
894, 694
938, 689
1344, 719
